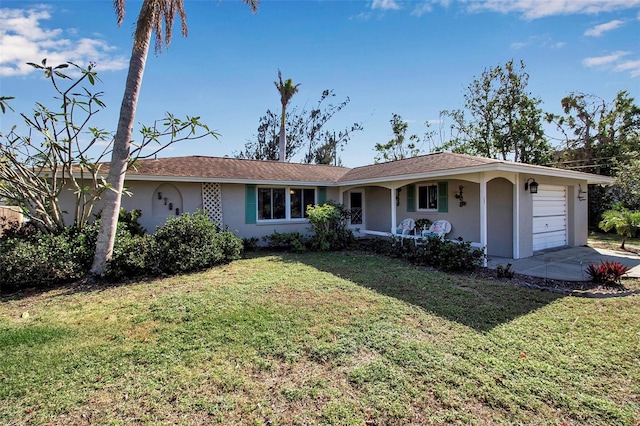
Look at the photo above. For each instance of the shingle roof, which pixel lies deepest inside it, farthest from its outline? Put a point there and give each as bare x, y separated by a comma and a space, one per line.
235, 169
199, 169
422, 164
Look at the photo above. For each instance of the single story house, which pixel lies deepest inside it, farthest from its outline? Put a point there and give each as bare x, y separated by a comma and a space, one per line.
490, 202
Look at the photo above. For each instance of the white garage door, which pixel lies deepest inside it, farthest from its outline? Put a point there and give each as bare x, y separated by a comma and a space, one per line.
549, 217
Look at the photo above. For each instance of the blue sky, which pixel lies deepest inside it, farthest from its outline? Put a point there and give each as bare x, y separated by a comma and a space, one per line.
413, 58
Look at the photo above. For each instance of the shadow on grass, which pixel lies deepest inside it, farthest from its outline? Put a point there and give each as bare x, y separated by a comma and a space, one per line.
470, 300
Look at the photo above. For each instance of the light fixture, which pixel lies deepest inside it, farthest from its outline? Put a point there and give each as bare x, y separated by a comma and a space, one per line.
531, 187
581, 193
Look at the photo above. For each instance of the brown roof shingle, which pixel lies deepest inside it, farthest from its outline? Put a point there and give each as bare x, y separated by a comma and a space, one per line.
409, 166
236, 169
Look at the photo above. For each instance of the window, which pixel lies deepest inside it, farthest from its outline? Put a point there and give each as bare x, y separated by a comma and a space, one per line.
428, 197
284, 203
300, 199
271, 203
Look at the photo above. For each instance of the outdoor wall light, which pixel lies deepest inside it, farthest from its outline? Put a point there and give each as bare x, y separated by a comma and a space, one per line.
531, 187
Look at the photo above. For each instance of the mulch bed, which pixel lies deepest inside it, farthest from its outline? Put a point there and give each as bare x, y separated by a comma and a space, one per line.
570, 288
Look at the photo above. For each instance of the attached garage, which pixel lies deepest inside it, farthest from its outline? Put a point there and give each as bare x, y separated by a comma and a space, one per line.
549, 217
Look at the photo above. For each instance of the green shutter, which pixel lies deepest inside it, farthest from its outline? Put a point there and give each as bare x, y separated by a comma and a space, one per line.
411, 198
322, 194
443, 197
250, 204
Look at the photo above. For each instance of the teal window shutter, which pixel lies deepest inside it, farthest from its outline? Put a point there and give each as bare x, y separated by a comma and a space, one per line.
322, 194
411, 198
443, 197
250, 204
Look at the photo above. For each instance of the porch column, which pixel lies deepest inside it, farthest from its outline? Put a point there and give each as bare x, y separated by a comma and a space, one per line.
483, 214
392, 201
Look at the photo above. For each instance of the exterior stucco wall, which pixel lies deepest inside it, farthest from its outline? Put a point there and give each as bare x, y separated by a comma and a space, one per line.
577, 211
500, 218
465, 220
233, 215
186, 197
377, 211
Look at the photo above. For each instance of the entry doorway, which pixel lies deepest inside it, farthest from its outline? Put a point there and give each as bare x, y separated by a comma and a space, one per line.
356, 206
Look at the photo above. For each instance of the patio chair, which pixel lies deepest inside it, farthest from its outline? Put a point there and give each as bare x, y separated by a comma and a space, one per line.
405, 229
439, 229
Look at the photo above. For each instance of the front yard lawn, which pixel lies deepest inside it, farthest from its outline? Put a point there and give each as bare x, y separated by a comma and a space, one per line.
338, 338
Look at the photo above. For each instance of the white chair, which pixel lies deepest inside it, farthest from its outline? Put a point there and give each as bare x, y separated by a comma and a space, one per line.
439, 229
405, 229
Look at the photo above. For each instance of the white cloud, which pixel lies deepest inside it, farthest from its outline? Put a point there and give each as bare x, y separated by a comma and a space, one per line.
534, 9
24, 38
598, 30
597, 61
615, 61
385, 5
632, 66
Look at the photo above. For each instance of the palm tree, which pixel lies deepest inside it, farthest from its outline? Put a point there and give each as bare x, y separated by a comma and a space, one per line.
624, 221
287, 90
154, 14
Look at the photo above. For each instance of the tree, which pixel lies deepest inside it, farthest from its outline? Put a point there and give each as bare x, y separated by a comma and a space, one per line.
627, 187
287, 90
306, 127
153, 14
597, 136
400, 146
500, 119
61, 152
624, 221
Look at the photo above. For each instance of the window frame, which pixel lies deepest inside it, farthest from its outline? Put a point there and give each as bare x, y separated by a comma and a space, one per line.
437, 197
288, 205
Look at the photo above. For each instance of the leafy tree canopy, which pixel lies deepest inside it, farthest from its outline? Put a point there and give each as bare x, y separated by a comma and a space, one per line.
500, 118
400, 146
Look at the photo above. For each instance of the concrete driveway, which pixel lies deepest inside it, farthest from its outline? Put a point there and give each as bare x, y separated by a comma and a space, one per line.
567, 264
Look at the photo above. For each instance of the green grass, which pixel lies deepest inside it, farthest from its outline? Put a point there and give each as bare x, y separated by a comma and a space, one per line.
340, 339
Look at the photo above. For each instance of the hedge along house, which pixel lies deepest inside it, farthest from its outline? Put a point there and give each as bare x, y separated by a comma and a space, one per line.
512, 209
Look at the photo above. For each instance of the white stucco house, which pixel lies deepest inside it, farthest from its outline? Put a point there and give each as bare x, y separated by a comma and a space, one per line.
487, 201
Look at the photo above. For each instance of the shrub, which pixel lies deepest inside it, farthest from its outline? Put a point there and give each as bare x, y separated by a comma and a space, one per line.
133, 256
41, 260
423, 223
250, 244
329, 224
504, 271
607, 272
441, 254
191, 242
293, 241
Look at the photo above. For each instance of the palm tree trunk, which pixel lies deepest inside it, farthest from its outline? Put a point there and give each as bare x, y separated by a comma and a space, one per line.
282, 146
121, 146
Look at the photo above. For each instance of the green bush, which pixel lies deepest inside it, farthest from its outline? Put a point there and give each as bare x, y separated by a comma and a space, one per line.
191, 242
293, 241
41, 260
185, 243
445, 255
133, 256
329, 224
